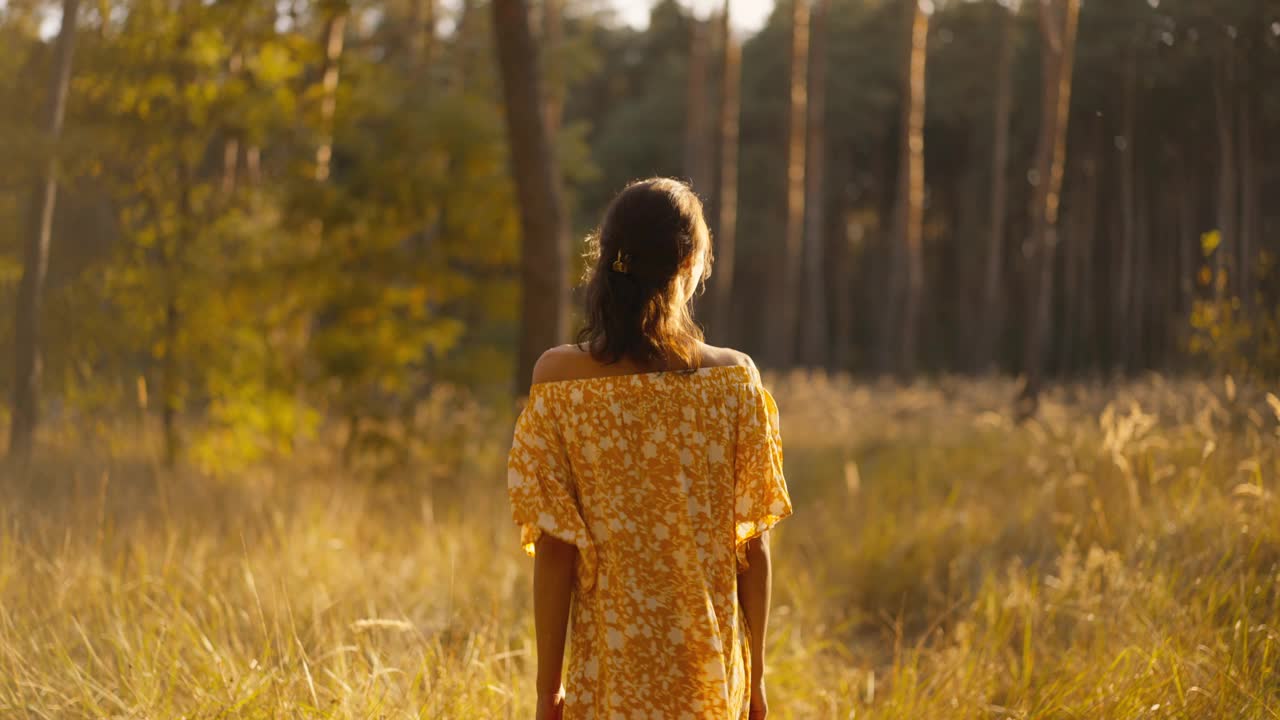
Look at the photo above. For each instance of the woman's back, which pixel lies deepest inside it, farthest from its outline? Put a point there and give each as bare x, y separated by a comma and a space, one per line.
646, 496
658, 479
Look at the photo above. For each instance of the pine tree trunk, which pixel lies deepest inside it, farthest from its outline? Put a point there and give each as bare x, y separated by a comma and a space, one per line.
727, 202
1059, 22
842, 288
783, 307
553, 105
909, 229
1250, 210
552, 39
1188, 239
334, 33
697, 159
231, 146
992, 315
814, 328
1124, 307
1228, 197
969, 267
534, 172
1086, 215
170, 392
27, 338
1142, 296
422, 33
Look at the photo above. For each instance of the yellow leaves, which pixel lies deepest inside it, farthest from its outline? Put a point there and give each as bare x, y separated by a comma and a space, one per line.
10, 271
208, 48
1210, 241
274, 65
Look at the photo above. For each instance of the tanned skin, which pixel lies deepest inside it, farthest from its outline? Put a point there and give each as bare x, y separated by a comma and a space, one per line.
553, 568
755, 589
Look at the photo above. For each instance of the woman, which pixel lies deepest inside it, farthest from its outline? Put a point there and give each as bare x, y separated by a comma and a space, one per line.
645, 474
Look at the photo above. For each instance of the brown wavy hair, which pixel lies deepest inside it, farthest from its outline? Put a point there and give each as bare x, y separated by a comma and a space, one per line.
650, 238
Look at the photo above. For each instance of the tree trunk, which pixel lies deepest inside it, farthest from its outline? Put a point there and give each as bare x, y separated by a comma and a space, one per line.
1085, 222
27, 338
1188, 239
786, 288
850, 237
697, 159
1228, 197
727, 202
1124, 306
1250, 210
814, 328
170, 392
552, 39
992, 314
537, 183
969, 267
1142, 299
422, 33
231, 146
553, 105
909, 230
334, 32
1059, 21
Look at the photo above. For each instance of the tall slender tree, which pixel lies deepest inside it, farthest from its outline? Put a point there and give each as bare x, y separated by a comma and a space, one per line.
335, 26
1059, 21
697, 158
784, 303
813, 328
27, 340
553, 98
907, 276
1250, 181
422, 32
552, 39
1228, 179
727, 201
1122, 307
993, 270
537, 184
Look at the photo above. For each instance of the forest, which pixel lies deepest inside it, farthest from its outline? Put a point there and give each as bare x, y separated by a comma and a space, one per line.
274, 275
264, 214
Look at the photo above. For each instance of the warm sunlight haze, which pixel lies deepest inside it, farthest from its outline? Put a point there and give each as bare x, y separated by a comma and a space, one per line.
679, 359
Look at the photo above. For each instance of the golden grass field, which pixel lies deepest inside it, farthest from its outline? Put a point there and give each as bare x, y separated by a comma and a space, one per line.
1118, 557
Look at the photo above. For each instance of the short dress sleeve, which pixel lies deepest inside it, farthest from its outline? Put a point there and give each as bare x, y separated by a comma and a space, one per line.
761, 499
541, 488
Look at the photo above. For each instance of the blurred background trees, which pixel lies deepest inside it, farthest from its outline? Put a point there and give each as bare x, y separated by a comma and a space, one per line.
269, 215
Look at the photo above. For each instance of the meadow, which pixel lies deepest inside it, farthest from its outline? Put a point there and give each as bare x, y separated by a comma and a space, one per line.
1118, 556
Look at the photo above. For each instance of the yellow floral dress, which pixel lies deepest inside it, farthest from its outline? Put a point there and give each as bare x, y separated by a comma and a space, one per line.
659, 480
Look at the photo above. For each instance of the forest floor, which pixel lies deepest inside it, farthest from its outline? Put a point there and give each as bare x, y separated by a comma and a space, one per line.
1117, 557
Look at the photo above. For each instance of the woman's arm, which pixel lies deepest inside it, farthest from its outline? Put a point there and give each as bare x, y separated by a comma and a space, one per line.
755, 588
553, 567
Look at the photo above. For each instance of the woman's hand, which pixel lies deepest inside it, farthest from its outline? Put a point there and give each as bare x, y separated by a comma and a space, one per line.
551, 707
759, 702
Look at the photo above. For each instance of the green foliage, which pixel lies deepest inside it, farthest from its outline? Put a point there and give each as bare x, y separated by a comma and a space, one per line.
1245, 344
196, 254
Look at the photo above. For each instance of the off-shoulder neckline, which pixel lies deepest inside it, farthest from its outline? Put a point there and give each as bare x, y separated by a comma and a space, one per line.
640, 376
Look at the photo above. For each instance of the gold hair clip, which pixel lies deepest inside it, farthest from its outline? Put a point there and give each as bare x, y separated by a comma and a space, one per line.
620, 264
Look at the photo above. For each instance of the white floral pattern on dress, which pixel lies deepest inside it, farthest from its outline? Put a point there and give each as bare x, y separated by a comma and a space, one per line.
659, 480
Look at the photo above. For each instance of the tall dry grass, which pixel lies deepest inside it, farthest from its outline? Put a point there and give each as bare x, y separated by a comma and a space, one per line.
1118, 557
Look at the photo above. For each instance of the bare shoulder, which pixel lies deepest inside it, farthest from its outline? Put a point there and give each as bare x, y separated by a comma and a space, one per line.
566, 362
713, 356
